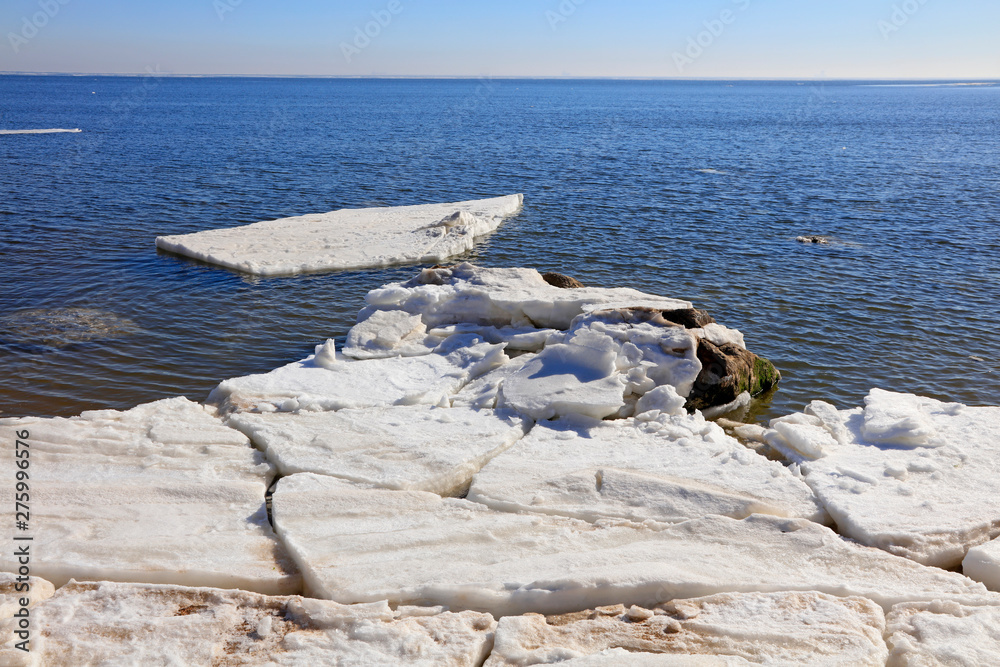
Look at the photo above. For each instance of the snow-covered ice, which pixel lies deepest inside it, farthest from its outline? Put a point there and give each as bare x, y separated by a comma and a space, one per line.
911, 475
361, 545
418, 447
945, 633
134, 624
54, 130
787, 628
982, 563
324, 381
467, 294
161, 493
673, 468
12, 593
348, 239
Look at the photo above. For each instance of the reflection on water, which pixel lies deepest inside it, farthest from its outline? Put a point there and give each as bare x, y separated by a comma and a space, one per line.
692, 190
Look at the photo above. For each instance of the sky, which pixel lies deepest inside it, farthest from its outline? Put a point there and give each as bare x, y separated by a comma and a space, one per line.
805, 39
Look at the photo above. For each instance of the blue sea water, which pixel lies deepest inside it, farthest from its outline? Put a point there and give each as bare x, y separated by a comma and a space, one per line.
696, 190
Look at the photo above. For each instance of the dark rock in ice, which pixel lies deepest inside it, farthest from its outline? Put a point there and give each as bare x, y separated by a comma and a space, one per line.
559, 280
727, 371
689, 318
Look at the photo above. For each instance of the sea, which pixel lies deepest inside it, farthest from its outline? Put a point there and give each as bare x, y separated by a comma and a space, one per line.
692, 189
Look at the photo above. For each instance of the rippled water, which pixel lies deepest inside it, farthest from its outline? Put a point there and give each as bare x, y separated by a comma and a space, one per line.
693, 190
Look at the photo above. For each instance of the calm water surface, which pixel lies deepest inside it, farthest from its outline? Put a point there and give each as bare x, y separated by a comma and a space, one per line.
692, 190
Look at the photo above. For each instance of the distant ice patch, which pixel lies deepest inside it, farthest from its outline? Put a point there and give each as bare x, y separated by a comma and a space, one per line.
54, 130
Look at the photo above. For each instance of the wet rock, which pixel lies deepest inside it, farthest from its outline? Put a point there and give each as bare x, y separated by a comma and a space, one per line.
727, 371
689, 318
62, 327
559, 280
813, 239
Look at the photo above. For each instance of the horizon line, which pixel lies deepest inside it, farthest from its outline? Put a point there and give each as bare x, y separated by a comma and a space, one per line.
487, 77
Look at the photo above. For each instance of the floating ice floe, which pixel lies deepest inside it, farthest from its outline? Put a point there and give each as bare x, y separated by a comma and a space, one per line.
745, 628
54, 130
348, 239
323, 381
671, 468
945, 633
419, 448
362, 545
907, 474
13, 591
161, 493
119, 624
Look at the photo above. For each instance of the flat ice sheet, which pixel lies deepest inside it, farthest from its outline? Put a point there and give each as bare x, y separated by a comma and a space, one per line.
361, 545
907, 474
749, 628
161, 493
348, 239
323, 381
422, 448
670, 469
54, 130
129, 624
945, 633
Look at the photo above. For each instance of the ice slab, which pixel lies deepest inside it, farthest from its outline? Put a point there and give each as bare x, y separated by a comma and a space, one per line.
361, 545
420, 448
671, 469
31, 590
54, 130
911, 475
161, 493
748, 628
129, 624
467, 294
323, 381
348, 239
982, 563
944, 633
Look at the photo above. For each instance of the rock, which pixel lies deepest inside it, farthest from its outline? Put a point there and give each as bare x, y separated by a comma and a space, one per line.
786, 628
134, 624
813, 239
559, 280
61, 327
727, 371
689, 318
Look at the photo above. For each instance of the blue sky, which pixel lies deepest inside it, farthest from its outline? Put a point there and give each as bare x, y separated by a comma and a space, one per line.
668, 38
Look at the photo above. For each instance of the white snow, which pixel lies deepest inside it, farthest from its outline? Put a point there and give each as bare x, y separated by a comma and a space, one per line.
965, 633
907, 474
13, 592
348, 239
749, 628
674, 468
323, 381
149, 625
982, 563
161, 493
401, 447
360, 545
467, 294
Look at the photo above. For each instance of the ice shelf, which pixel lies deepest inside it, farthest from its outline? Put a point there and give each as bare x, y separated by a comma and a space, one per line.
356, 544
745, 628
161, 493
348, 239
911, 475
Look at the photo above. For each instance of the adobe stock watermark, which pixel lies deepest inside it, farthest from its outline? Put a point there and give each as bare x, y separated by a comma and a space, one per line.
31, 25
363, 36
714, 29
901, 15
565, 9
223, 7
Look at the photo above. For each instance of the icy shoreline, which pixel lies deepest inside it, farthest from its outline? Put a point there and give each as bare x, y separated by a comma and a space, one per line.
499, 468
